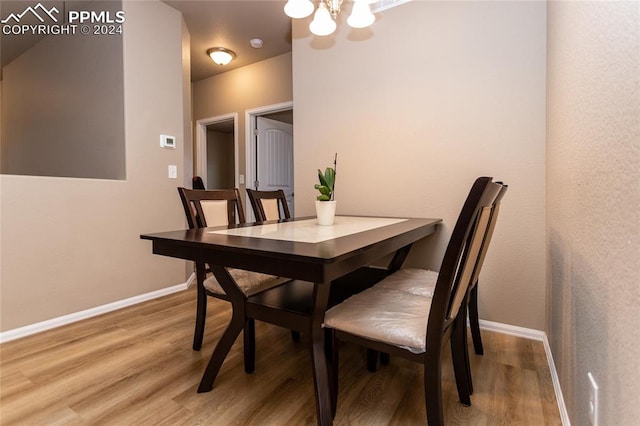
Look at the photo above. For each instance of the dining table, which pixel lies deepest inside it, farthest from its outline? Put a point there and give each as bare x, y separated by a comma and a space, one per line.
299, 249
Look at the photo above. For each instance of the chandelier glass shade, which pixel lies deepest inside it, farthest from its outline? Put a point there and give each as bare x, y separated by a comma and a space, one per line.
298, 8
324, 20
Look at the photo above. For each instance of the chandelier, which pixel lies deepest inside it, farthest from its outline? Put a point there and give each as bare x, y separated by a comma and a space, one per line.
324, 20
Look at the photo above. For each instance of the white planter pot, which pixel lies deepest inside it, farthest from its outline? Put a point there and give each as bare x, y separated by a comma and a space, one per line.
326, 212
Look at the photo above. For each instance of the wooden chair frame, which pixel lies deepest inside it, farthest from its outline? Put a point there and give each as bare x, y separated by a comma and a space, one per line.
472, 305
256, 197
472, 301
192, 204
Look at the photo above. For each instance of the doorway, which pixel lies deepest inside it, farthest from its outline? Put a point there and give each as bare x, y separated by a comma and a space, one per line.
217, 147
270, 150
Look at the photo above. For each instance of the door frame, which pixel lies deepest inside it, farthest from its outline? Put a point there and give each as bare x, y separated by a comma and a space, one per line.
250, 120
201, 144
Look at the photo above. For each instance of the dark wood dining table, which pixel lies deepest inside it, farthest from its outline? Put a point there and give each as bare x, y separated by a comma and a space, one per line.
303, 250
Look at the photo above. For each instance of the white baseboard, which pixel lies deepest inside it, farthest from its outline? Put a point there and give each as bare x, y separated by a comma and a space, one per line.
539, 335
564, 414
513, 330
191, 279
28, 330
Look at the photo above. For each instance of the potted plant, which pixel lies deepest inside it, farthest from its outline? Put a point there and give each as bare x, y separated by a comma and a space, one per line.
325, 201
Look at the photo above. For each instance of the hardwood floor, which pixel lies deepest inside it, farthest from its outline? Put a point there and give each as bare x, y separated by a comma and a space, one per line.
136, 366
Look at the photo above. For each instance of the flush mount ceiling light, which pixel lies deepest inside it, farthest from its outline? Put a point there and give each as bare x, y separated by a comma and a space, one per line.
220, 55
324, 20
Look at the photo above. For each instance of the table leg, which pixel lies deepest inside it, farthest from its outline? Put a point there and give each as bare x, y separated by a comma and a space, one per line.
220, 352
236, 325
319, 355
399, 258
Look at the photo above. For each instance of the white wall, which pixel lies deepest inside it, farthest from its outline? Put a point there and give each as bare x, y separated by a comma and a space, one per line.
438, 94
593, 205
73, 244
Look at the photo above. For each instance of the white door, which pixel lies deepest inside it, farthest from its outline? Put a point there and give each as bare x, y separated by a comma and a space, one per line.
274, 160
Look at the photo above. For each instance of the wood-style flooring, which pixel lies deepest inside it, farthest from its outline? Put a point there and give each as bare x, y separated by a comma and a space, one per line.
135, 366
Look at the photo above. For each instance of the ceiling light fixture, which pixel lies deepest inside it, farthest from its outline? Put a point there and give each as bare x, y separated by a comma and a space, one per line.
220, 55
324, 21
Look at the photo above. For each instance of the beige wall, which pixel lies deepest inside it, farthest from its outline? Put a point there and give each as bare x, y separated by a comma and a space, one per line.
593, 200
440, 93
264, 83
73, 244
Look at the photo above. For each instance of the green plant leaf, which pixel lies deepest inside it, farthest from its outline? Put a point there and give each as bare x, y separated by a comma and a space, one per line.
324, 190
330, 177
321, 178
327, 183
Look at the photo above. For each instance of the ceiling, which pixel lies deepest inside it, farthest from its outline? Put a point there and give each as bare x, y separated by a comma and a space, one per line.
211, 23
232, 24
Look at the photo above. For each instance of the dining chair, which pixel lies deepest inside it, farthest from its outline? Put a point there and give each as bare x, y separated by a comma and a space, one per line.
269, 205
422, 282
220, 208
417, 327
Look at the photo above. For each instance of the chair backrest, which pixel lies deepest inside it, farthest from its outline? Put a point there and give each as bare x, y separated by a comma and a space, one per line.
487, 236
269, 205
212, 208
461, 257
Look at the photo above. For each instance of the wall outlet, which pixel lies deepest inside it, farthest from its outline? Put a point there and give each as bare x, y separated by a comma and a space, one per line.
593, 400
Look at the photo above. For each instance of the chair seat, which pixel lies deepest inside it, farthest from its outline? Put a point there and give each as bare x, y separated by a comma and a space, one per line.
250, 283
391, 316
420, 282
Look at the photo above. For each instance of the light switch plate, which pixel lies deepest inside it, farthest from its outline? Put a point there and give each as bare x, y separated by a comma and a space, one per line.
173, 172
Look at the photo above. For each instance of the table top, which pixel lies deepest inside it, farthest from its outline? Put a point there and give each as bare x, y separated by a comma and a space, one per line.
312, 260
308, 230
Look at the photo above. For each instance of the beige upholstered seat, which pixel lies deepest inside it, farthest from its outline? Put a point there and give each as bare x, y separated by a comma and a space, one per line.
421, 282
249, 282
384, 315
